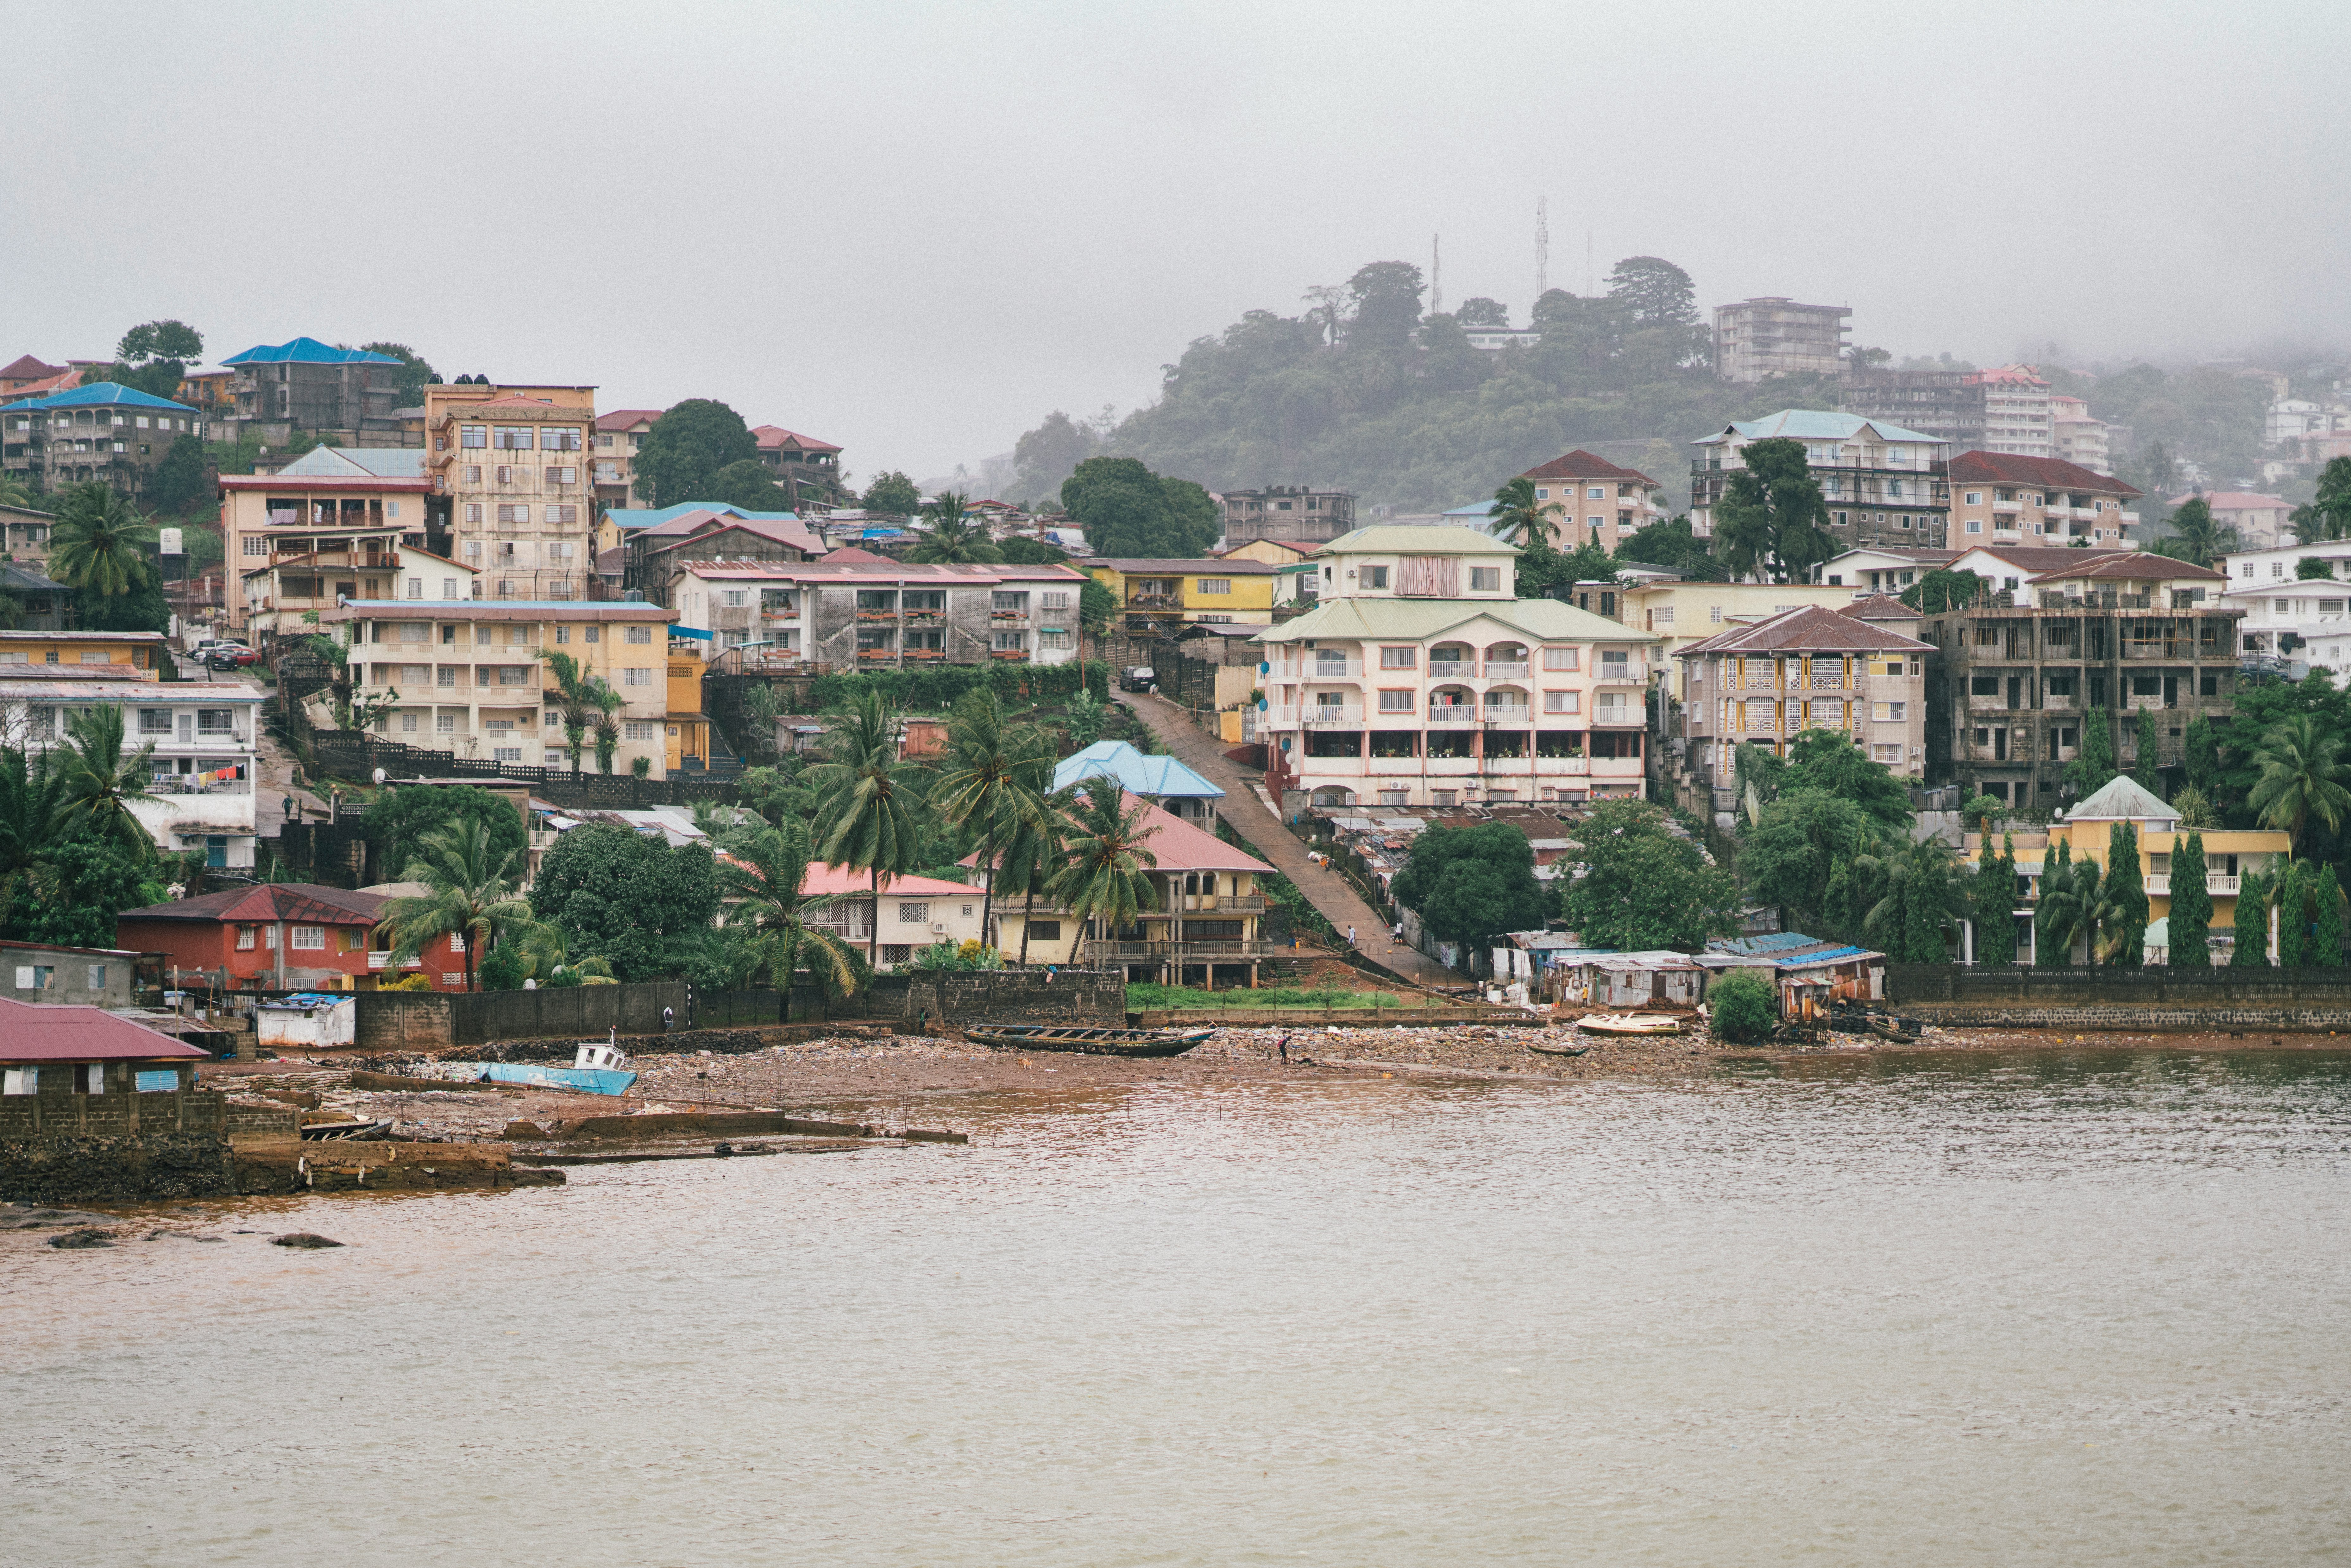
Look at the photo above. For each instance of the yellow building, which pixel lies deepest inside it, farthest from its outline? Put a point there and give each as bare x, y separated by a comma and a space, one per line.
689, 730
1682, 613
136, 649
1273, 552
2086, 831
1229, 589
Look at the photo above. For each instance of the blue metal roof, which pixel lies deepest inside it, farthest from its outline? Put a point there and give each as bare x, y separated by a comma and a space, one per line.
1157, 777
308, 351
101, 395
1812, 425
630, 518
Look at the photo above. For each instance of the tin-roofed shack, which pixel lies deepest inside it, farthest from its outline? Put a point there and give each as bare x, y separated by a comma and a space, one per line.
1806, 973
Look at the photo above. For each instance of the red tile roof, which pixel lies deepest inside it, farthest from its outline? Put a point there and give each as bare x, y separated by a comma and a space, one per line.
1582, 465
622, 418
28, 368
1179, 846
777, 436
2237, 501
1222, 564
299, 900
1808, 629
837, 879
849, 555
1879, 607
42, 1031
2136, 563
2044, 473
2045, 558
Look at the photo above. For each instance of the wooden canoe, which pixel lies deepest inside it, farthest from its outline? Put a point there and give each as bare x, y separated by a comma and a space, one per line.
1629, 1023
1557, 1050
1887, 1028
1087, 1041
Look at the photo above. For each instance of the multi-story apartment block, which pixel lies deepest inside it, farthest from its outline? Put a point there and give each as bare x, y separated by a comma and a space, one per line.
1946, 404
1681, 613
466, 675
855, 609
2076, 437
655, 555
1588, 500
510, 465
1291, 513
1773, 335
1884, 483
2097, 635
346, 393
612, 464
1804, 669
1999, 499
283, 598
1226, 591
1422, 679
204, 734
2017, 417
2262, 522
2289, 616
339, 519
103, 430
808, 469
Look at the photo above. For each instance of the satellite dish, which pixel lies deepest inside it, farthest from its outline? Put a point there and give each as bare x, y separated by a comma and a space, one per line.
378, 778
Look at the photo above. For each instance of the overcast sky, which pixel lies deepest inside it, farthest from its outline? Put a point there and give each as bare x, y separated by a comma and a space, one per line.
915, 229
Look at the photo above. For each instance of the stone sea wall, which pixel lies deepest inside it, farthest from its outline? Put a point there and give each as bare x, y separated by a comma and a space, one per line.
116, 1169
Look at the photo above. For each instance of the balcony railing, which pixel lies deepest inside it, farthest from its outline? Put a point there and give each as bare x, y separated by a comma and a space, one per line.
1450, 669
1010, 655
877, 615
1508, 670
1181, 952
1508, 713
2218, 883
1332, 670
1226, 903
1630, 673
1333, 717
1459, 716
380, 960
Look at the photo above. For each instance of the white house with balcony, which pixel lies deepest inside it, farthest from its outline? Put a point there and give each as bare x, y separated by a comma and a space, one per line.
198, 736
2289, 618
1421, 679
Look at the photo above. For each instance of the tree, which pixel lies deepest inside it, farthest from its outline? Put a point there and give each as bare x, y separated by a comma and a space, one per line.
1103, 884
1925, 894
2195, 535
679, 458
1386, 299
399, 818
749, 484
2311, 568
1773, 519
2195, 811
576, 698
893, 495
154, 356
100, 545
2147, 762
1742, 1008
1126, 510
954, 538
1471, 884
1654, 292
626, 896
408, 382
1977, 811
2093, 767
2302, 772
2333, 501
1050, 454
1995, 906
1790, 854
96, 784
2324, 949
995, 775
1483, 313
1670, 542
763, 880
183, 479
864, 821
2067, 910
2290, 893
82, 881
1518, 516
1022, 550
1942, 590
2200, 753
1033, 854
1086, 715
1643, 888
469, 895
1831, 760
2191, 919
2121, 909
2250, 933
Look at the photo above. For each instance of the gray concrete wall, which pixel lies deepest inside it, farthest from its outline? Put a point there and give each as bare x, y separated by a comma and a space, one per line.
116, 1168
421, 1020
69, 977
59, 1110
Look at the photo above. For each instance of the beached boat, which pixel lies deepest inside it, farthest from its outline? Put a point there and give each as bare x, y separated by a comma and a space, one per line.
1087, 1041
1629, 1023
317, 1131
1543, 1048
1889, 1030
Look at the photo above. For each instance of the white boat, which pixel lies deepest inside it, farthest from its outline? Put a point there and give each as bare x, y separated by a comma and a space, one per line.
1629, 1023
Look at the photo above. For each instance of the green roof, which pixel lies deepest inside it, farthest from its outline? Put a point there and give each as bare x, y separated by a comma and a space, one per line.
1410, 539
1416, 619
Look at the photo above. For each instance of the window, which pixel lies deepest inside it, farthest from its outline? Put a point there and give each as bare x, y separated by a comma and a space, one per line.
89, 1078
636, 636
1010, 641
1216, 585
1975, 498
474, 435
1714, 614
1052, 639
1562, 702
1596, 493
309, 938
416, 588
637, 729
1055, 601
1542, 492
254, 544
1375, 577
1485, 580
2277, 569
1399, 658
735, 598
1975, 525
514, 514
21, 1081
1889, 712
596, 634
561, 438
636, 676
444, 722
215, 721
1395, 702
33, 977
514, 438
910, 914
505, 754
154, 721
244, 938
1664, 615
1443, 797
1562, 658
1039, 930
1886, 753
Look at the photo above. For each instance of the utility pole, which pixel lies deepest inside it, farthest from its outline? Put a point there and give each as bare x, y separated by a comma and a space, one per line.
1436, 277
1542, 247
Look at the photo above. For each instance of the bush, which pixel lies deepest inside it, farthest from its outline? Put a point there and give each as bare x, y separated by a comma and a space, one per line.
1744, 1008
407, 983
938, 688
500, 969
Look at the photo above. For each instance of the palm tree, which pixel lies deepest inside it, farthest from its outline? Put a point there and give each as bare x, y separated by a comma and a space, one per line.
864, 797
2068, 908
571, 691
604, 703
1033, 851
953, 539
471, 896
764, 880
1104, 880
1516, 514
100, 543
95, 784
1925, 890
2197, 536
993, 778
13, 493
2302, 773
28, 811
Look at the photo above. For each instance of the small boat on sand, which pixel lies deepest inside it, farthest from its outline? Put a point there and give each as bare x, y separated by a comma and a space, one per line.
1087, 1041
1543, 1048
1889, 1030
1629, 1023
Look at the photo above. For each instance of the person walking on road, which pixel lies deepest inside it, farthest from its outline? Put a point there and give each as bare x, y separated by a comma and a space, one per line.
1351, 938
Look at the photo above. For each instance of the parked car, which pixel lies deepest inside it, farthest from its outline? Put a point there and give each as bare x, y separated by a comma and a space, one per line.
228, 655
1136, 678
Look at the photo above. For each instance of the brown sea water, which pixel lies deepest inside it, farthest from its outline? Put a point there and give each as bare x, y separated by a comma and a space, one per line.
2045, 1310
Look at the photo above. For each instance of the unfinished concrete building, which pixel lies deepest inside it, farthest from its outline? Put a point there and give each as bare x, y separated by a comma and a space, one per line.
1289, 513
2017, 675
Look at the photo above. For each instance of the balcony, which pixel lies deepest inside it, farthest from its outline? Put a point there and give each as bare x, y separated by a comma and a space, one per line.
1508, 670
1010, 655
1459, 716
379, 960
877, 615
1224, 903
1519, 714
2218, 883
924, 617
926, 655
1155, 602
877, 655
1008, 617
1333, 717
1450, 670
1173, 952
1625, 675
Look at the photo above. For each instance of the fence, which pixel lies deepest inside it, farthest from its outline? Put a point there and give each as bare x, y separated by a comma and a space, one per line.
2141, 1000
355, 754
426, 1020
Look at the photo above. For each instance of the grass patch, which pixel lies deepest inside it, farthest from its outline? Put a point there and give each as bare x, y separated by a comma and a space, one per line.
1141, 995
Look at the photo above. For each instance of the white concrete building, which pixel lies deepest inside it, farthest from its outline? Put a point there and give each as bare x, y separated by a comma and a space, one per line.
1421, 679
2289, 617
2017, 415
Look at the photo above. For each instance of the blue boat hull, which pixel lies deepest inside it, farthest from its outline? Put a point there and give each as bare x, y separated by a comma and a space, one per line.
589, 1080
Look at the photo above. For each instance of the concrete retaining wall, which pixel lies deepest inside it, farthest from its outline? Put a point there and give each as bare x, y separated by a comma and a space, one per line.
421, 1020
1096, 997
121, 1170
2151, 1000
2137, 1019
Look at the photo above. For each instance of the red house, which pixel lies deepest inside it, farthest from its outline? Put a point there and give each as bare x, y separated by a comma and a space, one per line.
273, 937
